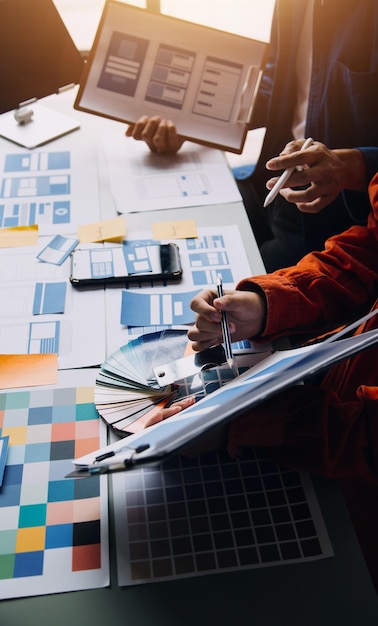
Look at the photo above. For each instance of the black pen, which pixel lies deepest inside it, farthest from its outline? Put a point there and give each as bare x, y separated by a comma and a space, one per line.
226, 331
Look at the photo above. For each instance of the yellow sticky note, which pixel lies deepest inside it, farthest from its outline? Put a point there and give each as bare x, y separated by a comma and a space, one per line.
19, 236
28, 370
107, 230
180, 229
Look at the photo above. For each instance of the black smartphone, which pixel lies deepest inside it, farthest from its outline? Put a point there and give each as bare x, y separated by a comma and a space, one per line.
131, 262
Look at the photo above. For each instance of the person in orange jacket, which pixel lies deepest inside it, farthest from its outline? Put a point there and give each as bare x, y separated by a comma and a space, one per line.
328, 427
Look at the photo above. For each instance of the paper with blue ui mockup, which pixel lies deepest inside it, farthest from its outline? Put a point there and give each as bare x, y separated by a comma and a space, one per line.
156, 309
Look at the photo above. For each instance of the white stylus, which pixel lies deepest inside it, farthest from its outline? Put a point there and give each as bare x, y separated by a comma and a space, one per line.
284, 177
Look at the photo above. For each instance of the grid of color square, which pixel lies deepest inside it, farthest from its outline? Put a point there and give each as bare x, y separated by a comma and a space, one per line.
52, 528
211, 514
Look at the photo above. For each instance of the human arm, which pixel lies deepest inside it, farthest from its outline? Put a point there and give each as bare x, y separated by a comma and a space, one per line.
331, 429
305, 298
159, 134
325, 287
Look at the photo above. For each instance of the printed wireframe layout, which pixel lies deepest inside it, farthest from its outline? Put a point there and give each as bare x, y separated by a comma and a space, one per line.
145, 63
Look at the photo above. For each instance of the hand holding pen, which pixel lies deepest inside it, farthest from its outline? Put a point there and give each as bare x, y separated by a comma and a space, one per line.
281, 182
322, 174
246, 309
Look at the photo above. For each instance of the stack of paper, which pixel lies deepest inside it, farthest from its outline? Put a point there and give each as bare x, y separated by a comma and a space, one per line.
126, 389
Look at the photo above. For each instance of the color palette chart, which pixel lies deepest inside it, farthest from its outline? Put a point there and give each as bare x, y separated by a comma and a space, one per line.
53, 530
210, 514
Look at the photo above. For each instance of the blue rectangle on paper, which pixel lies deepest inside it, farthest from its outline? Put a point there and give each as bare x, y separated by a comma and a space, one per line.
59, 536
132, 252
49, 298
4, 442
64, 245
59, 187
11, 222
17, 163
58, 242
55, 298
61, 212
139, 309
23, 163
33, 213
209, 259
44, 338
209, 276
211, 242
59, 161
37, 302
28, 564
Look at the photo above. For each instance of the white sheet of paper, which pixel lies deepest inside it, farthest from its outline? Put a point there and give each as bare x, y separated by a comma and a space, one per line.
145, 181
77, 335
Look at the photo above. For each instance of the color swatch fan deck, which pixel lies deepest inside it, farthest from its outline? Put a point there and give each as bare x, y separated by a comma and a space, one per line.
127, 394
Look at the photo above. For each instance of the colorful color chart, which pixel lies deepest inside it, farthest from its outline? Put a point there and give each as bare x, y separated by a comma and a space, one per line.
210, 514
53, 530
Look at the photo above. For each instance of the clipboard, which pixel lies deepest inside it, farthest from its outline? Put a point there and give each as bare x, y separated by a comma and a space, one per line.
43, 125
260, 382
203, 79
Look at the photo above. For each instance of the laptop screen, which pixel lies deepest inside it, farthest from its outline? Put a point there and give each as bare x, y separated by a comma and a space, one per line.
37, 54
